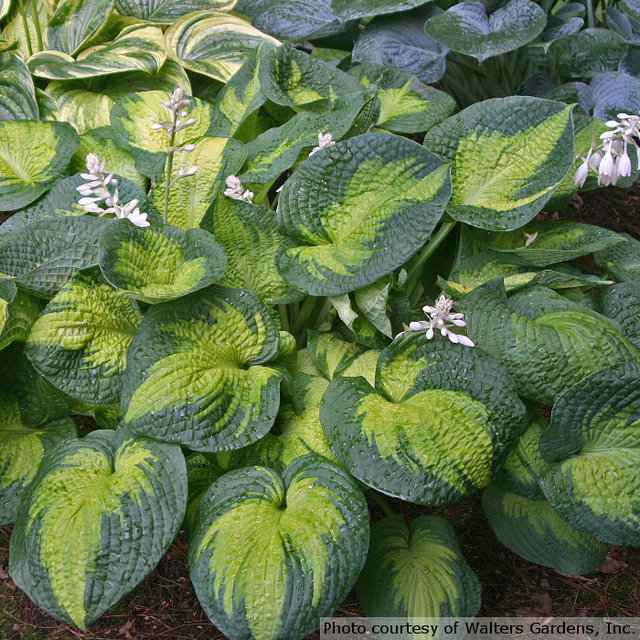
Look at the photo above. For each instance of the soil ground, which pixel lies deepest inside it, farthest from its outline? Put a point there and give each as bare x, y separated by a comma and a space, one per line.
165, 606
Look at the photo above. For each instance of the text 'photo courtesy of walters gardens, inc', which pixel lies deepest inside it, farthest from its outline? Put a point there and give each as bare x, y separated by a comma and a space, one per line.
543, 628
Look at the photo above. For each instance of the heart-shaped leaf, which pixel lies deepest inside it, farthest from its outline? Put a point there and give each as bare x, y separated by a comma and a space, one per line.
195, 371
467, 28
576, 343
17, 93
79, 343
264, 543
22, 449
525, 522
87, 104
360, 209
615, 92
524, 147
156, 264
214, 43
75, 22
417, 571
592, 447
251, 239
400, 42
40, 257
591, 52
33, 154
100, 514
435, 427
137, 48
168, 11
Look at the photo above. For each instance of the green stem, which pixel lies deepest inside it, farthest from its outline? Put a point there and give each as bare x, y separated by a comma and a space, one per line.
25, 26
434, 242
284, 316
36, 22
168, 168
416, 294
382, 503
590, 16
303, 315
327, 305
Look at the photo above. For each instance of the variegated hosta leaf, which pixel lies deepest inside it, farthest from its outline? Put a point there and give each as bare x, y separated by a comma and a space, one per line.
101, 141
79, 343
189, 198
549, 242
155, 264
201, 474
621, 260
434, 429
364, 365
87, 104
13, 33
5, 5
33, 154
293, 78
348, 10
18, 311
622, 303
22, 449
508, 155
575, 343
62, 201
533, 530
168, 11
592, 445
107, 416
277, 149
40, 257
331, 354
417, 571
17, 93
291, 19
467, 28
399, 41
263, 544
359, 209
241, 95
251, 239
75, 22
406, 105
525, 522
195, 371
137, 48
132, 119
100, 514
487, 265
213, 43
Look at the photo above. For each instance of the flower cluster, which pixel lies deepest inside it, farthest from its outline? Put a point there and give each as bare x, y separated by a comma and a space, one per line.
177, 104
324, 140
236, 190
96, 190
610, 160
442, 319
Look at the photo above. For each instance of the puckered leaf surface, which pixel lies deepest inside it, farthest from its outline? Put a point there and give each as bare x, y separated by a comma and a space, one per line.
545, 352
508, 155
18, 311
168, 11
101, 513
417, 571
436, 426
271, 554
33, 154
79, 343
622, 303
17, 92
196, 375
359, 209
592, 445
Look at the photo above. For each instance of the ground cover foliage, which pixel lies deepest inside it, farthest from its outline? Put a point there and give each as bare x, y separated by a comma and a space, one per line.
225, 221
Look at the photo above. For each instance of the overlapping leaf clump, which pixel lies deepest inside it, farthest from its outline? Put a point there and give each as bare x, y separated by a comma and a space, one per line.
249, 344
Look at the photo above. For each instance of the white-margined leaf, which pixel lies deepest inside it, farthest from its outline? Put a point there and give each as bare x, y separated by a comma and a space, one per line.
17, 92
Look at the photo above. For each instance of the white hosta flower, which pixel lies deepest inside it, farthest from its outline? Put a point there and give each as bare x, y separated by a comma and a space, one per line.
139, 219
324, 140
442, 319
236, 191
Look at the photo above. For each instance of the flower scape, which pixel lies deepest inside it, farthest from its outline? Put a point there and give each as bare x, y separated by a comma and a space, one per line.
283, 282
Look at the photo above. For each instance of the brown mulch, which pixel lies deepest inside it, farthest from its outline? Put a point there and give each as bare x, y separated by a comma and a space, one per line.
165, 606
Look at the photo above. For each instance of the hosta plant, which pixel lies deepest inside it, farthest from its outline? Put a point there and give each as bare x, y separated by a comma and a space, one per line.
283, 281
